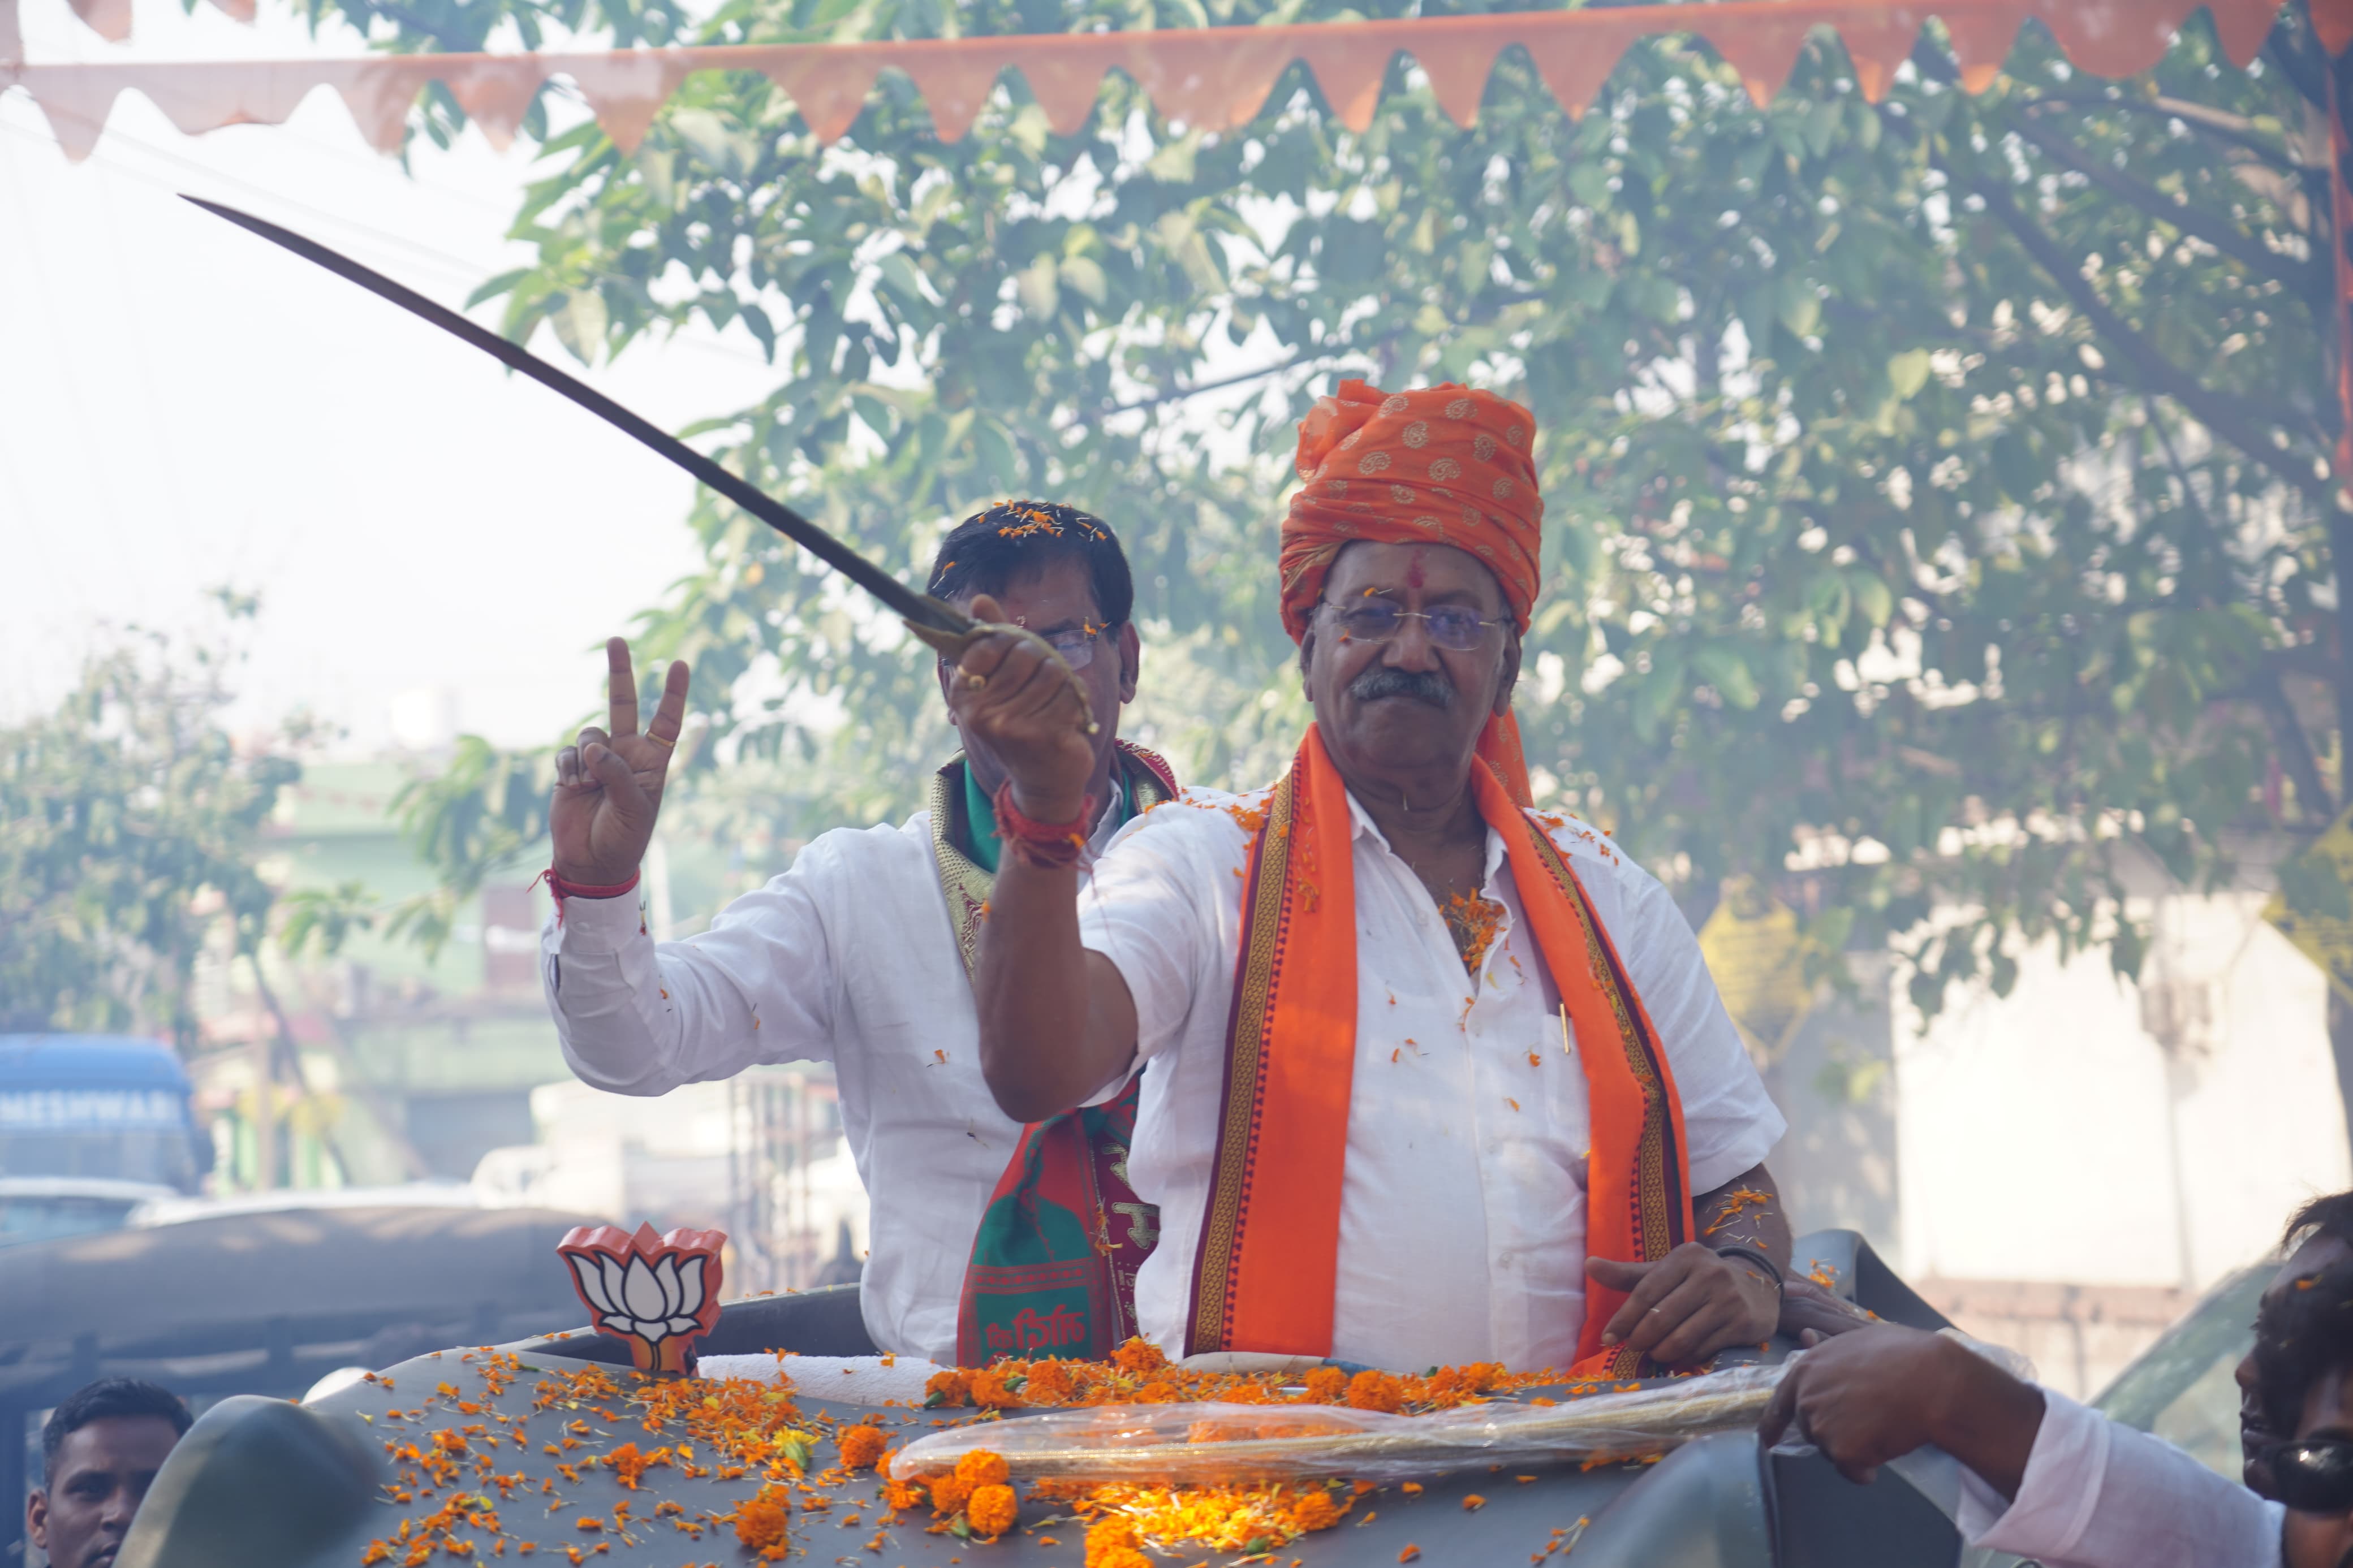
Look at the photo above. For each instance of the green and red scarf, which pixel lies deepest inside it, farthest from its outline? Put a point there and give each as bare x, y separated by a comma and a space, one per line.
1053, 1264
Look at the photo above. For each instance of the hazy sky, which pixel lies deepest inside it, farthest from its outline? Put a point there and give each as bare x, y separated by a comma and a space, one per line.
183, 406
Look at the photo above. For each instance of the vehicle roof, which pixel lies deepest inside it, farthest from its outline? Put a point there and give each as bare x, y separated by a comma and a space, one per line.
105, 1188
169, 1206
45, 1061
220, 1278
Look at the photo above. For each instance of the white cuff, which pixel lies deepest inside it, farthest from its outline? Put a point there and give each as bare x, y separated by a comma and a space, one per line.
595, 925
2056, 1497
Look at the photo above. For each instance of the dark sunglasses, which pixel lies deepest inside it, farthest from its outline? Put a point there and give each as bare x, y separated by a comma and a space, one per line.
2314, 1477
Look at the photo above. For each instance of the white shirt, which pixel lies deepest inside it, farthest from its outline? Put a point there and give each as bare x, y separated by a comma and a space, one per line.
847, 958
2100, 1495
1463, 1205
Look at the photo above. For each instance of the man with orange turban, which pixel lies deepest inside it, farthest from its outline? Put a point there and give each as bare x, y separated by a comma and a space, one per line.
1437, 1077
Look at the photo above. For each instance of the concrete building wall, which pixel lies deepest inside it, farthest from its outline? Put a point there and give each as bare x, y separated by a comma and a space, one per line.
2077, 1161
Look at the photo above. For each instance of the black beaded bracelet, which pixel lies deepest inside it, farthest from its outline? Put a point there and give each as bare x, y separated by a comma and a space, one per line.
1758, 1256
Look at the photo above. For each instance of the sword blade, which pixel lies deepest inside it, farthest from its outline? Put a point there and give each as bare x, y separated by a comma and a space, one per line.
923, 614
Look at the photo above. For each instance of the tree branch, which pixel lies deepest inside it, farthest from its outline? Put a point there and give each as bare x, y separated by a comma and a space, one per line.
2310, 280
2216, 411
2269, 690
2235, 130
283, 1047
2301, 73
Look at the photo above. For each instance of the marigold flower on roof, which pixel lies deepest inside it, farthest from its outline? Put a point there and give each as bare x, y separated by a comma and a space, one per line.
1315, 1511
1328, 1385
862, 1447
1116, 1533
763, 1522
1139, 1356
982, 1468
988, 1391
949, 1493
992, 1511
1370, 1390
947, 1387
1048, 1382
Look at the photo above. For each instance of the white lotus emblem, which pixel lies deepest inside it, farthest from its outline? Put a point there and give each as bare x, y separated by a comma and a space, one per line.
656, 1293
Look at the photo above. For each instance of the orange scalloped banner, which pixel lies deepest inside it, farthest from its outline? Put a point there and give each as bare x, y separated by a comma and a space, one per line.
1215, 79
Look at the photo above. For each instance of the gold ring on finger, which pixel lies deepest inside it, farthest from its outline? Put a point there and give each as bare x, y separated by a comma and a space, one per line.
975, 683
659, 741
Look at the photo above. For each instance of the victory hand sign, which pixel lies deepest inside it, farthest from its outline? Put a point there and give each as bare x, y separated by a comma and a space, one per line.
608, 784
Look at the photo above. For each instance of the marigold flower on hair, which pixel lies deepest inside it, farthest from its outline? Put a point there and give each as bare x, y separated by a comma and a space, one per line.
1370, 1390
862, 1447
992, 1511
763, 1522
1139, 1356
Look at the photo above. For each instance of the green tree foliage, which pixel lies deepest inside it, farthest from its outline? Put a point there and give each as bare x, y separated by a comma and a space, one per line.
1939, 511
130, 832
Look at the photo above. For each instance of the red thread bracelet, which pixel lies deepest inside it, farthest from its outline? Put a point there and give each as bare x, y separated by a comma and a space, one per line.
559, 889
1048, 845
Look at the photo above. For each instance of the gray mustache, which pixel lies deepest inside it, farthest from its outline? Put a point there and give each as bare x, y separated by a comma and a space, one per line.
1429, 686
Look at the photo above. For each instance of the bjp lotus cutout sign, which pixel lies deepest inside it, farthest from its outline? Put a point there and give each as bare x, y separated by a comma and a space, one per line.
657, 1294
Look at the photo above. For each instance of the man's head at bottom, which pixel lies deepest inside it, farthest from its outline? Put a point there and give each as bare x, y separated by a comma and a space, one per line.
2318, 1237
100, 1451
2303, 1366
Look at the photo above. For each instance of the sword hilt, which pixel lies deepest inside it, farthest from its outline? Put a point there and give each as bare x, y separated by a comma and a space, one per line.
951, 645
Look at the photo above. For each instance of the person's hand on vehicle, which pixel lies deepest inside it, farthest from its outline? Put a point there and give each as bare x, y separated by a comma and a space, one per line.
1873, 1396
1806, 1305
1688, 1305
608, 783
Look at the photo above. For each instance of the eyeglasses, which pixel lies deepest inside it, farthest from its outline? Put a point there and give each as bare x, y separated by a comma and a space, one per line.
1451, 626
2314, 1477
1077, 646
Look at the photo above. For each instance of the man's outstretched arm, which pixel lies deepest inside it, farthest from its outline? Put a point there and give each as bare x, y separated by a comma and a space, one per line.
1057, 1023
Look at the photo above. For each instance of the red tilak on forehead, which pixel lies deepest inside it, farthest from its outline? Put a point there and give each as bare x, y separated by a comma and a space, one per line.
1413, 578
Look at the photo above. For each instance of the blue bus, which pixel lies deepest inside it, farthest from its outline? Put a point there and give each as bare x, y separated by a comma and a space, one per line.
91, 1125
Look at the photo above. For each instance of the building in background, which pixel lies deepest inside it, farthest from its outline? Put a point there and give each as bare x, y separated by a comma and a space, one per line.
409, 1066
2066, 1168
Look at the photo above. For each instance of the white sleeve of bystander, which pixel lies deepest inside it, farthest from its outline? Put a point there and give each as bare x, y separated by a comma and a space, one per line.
2099, 1495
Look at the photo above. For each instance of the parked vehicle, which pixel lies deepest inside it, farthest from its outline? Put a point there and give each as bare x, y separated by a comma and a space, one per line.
42, 1208
98, 1105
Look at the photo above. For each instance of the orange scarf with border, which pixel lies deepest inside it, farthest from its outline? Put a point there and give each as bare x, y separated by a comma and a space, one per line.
1265, 1272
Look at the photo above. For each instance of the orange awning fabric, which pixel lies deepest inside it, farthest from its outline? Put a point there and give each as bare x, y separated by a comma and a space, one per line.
1215, 79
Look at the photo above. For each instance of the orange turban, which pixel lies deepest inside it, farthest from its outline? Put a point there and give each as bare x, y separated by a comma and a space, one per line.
1440, 465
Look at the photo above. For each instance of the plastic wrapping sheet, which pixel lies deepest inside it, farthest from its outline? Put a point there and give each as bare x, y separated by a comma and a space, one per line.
1208, 1443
